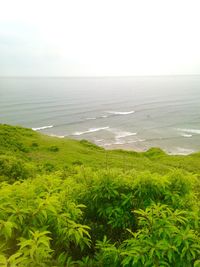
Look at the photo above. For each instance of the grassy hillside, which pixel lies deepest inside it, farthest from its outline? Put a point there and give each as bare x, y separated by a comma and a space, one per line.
70, 203
60, 153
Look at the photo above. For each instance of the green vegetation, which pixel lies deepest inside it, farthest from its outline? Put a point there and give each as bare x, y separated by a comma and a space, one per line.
68, 203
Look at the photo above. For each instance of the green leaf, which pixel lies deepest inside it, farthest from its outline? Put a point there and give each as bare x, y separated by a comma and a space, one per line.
3, 261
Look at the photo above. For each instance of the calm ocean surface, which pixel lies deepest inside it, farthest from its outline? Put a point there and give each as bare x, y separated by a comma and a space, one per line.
132, 113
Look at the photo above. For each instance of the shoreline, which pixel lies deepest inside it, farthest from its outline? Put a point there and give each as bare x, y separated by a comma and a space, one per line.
139, 147
143, 149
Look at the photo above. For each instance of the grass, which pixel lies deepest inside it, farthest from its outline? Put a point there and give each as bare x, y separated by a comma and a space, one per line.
43, 149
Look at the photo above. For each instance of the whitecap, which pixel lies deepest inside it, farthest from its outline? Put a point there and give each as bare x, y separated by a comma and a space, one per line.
186, 135
42, 128
91, 130
136, 141
121, 112
124, 134
104, 116
194, 131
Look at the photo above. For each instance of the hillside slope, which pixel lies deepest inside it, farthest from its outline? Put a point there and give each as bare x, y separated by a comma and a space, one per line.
69, 203
59, 153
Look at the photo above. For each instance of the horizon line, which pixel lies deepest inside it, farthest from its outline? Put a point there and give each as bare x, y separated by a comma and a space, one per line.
100, 76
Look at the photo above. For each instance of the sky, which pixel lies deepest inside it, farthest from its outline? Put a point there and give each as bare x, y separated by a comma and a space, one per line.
99, 37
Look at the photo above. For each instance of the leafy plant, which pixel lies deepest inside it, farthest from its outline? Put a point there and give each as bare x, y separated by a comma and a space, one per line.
71, 209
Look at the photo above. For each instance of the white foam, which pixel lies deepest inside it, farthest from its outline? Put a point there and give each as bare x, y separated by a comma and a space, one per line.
104, 116
124, 134
136, 141
186, 135
182, 151
42, 128
91, 130
92, 118
121, 112
58, 136
194, 131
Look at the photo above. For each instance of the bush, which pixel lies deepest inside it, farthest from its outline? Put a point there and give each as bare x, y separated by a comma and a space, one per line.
100, 218
34, 145
48, 167
31, 207
154, 153
13, 169
53, 149
165, 238
77, 163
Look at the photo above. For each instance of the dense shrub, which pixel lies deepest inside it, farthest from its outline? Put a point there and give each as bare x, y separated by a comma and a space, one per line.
164, 239
77, 163
39, 221
48, 167
56, 220
34, 144
154, 153
13, 169
53, 149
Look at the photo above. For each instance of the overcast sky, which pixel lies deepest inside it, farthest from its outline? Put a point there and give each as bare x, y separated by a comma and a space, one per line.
99, 37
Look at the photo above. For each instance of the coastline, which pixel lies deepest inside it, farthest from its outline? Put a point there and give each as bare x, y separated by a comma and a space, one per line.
139, 147
177, 145
136, 147
144, 148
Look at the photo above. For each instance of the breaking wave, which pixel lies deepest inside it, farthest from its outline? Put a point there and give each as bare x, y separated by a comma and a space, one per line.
121, 112
91, 130
194, 131
124, 134
42, 128
104, 116
186, 135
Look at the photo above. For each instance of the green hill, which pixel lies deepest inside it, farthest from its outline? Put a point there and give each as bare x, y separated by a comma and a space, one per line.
71, 203
43, 150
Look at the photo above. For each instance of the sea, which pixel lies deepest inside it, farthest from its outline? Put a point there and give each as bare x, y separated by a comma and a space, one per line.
133, 113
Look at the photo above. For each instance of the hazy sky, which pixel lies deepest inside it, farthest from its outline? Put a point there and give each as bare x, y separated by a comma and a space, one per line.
99, 37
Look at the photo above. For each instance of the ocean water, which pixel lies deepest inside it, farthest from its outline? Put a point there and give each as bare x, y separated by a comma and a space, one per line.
132, 113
